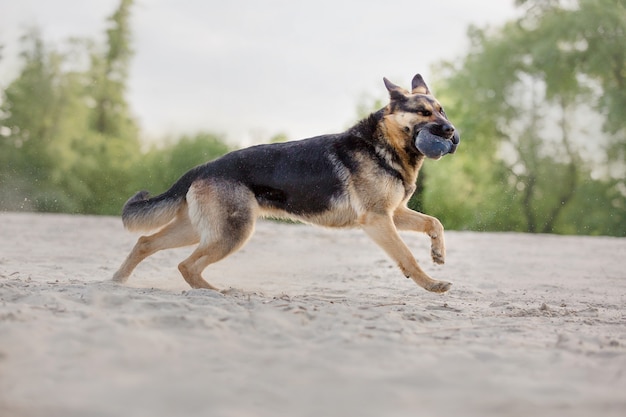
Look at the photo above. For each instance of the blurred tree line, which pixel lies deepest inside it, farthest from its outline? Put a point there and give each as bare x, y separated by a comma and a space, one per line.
68, 142
541, 105
540, 102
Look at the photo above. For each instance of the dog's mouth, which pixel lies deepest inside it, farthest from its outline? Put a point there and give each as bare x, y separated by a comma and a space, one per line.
435, 141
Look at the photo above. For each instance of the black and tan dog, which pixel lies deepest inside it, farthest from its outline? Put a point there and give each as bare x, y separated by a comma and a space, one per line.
360, 178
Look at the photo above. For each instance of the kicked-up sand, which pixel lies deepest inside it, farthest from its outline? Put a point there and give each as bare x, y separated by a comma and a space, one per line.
312, 322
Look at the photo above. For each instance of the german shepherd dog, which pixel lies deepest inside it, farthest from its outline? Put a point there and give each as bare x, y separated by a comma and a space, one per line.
362, 177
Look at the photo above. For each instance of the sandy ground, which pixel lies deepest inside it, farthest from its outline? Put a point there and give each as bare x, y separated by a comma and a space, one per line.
316, 322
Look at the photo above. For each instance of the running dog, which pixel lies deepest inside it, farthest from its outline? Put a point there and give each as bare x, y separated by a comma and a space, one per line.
362, 177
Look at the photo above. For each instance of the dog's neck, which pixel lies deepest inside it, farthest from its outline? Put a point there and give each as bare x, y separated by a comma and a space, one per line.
373, 129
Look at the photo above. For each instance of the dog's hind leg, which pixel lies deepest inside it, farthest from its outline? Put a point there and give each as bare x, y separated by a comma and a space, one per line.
224, 213
382, 230
178, 233
206, 254
407, 219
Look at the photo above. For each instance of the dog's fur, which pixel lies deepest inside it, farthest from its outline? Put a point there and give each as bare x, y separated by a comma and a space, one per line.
359, 178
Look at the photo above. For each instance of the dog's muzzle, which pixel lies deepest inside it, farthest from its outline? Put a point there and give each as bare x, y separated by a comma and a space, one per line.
435, 141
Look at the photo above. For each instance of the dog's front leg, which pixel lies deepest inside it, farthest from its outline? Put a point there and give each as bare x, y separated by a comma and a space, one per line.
407, 219
382, 230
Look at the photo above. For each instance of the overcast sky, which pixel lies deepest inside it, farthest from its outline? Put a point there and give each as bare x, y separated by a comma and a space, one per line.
252, 68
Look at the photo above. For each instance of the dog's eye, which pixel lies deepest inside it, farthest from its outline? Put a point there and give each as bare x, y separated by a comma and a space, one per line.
426, 113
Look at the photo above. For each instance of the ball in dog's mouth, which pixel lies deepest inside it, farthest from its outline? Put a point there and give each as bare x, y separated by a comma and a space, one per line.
431, 145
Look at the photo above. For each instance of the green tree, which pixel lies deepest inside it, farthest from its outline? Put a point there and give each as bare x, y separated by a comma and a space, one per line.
36, 112
111, 145
109, 73
68, 138
520, 97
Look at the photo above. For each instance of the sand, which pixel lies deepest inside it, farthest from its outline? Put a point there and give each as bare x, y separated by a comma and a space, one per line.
314, 322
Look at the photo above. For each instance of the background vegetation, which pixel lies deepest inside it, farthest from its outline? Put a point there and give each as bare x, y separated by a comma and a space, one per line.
540, 102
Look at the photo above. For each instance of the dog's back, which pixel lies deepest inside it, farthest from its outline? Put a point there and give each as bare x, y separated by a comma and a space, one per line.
300, 180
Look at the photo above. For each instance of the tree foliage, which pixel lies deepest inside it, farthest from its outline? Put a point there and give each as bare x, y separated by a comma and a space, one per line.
540, 102
68, 141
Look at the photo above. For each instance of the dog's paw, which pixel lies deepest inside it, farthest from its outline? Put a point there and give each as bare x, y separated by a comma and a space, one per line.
438, 256
439, 286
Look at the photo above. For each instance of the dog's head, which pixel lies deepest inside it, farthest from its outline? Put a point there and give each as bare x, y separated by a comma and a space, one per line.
417, 120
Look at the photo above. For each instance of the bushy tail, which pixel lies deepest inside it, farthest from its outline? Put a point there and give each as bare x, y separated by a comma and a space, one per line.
141, 213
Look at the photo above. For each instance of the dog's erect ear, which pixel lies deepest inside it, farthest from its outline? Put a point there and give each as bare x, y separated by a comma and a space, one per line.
418, 85
395, 92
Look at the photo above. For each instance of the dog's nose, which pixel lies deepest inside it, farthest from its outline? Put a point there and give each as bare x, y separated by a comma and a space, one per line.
448, 130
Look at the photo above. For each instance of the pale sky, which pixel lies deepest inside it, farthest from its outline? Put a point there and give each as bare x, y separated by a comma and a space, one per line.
250, 69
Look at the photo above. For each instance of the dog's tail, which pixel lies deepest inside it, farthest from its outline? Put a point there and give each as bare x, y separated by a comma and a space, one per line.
142, 212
